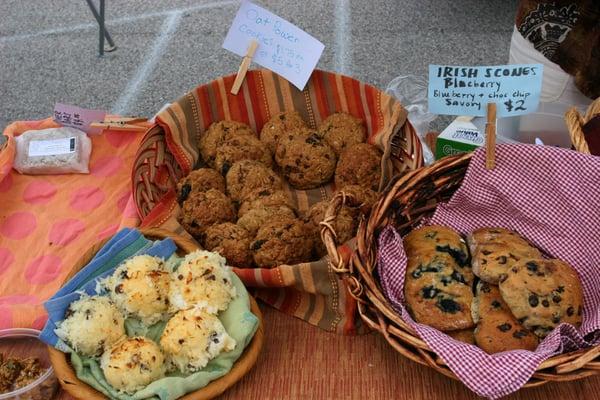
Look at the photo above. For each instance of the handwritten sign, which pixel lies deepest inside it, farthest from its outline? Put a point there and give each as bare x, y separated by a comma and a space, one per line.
77, 117
282, 47
467, 90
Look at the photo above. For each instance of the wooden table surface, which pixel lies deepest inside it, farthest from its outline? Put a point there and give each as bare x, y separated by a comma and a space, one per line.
300, 361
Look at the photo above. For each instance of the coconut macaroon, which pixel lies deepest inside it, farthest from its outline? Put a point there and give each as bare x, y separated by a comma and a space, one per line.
132, 364
91, 324
202, 280
192, 338
140, 288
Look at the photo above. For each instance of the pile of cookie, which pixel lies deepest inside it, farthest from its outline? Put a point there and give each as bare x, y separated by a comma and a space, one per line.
240, 202
495, 290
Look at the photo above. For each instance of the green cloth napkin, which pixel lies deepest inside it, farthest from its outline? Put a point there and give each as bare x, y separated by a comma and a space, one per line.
238, 321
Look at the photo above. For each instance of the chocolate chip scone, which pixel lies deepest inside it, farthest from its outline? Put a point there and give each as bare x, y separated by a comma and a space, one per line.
282, 241
247, 176
200, 180
359, 165
342, 130
542, 293
238, 148
428, 239
203, 209
257, 217
231, 241
497, 328
282, 124
216, 134
344, 224
265, 198
491, 260
306, 163
436, 292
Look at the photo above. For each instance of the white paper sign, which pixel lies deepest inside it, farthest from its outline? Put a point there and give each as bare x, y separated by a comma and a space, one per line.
282, 47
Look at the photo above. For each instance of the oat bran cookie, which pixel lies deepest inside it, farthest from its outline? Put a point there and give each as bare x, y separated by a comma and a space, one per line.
247, 176
199, 180
216, 134
543, 293
282, 241
265, 198
497, 329
363, 197
203, 209
491, 260
238, 148
359, 165
280, 125
345, 225
231, 241
306, 163
436, 292
342, 130
257, 217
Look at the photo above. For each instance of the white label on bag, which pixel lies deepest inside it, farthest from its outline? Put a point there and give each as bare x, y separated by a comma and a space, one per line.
52, 147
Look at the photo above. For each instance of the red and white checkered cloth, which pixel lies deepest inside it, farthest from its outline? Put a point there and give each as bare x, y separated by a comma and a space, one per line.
550, 196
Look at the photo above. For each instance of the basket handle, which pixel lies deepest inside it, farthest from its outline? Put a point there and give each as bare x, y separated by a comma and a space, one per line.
575, 122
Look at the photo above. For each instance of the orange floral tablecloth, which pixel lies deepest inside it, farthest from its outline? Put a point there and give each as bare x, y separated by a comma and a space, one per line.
48, 221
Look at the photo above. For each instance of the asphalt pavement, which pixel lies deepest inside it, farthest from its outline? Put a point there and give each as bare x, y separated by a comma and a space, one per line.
49, 49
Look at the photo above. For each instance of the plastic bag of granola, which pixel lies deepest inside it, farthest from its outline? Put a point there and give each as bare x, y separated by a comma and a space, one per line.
53, 151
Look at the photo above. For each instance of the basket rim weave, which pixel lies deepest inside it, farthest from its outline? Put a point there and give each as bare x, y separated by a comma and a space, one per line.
575, 122
80, 390
373, 307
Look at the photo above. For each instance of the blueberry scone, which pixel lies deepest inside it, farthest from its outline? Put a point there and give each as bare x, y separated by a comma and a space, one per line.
543, 293
497, 329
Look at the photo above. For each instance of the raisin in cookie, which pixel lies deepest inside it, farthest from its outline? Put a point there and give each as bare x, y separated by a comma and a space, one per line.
238, 148
265, 198
497, 329
282, 241
216, 134
282, 124
491, 260
200, 180
344, 224
436, 292
257, 217
247, 176
231, 241
306, 163
203, 209
542, 294
359, 165
342, 130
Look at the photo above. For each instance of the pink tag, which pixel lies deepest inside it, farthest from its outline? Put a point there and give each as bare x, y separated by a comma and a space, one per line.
77, 117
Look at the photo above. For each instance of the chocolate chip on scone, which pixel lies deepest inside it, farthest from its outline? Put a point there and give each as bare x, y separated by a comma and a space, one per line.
216, 134
282, 241
231, 241
359, 164
265, 198
543, 293
200, 180
257, 217
437, 293
344, 224
281, 125
203, 209
247, 176
497, 328
491, 260
342, 130
238, 148
306, 163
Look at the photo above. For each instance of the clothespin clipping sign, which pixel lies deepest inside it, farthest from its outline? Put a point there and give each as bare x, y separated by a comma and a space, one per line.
501, 90
77, 117
282, 47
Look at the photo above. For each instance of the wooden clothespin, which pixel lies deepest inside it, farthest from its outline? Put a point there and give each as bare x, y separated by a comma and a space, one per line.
239, 79
490, 137
130, 124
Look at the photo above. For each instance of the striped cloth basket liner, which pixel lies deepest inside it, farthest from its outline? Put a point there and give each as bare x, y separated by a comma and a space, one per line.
310, 291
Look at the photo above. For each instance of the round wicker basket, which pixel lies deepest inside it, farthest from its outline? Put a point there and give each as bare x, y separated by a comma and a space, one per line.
575, 122
406, 201
80, 390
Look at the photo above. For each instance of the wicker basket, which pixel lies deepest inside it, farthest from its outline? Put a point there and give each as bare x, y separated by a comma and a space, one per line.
406, 201
575, 123
80, 390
